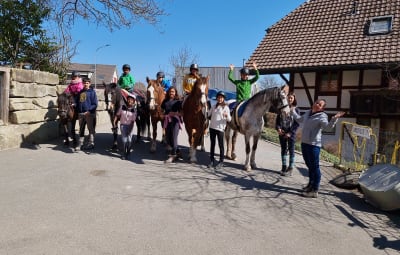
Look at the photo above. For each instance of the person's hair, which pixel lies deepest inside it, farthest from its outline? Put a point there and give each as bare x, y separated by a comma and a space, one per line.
176, 92
294, 96
85, 79
323, 100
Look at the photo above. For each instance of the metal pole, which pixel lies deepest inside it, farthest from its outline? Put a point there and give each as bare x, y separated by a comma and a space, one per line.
95, 64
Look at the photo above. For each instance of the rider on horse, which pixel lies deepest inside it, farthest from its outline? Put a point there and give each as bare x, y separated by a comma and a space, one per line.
126, 81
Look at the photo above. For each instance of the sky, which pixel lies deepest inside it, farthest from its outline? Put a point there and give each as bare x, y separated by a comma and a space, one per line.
218, 32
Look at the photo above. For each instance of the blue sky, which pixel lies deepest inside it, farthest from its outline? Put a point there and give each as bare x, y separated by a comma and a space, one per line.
219, 32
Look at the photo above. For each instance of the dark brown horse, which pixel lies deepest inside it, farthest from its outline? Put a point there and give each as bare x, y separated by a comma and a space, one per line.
195, 115
68, 117
155, 96
115, 97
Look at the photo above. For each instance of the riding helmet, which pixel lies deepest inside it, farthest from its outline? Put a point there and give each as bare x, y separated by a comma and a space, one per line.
194, 66
131, 95
75, 73
160, 75
126, 66
221, 93
245, 71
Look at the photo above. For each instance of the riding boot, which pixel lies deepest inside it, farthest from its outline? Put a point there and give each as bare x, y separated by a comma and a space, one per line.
290, 168
284, 165
128, 149
81, 142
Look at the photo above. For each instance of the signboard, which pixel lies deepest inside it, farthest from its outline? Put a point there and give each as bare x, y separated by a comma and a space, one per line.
361, 131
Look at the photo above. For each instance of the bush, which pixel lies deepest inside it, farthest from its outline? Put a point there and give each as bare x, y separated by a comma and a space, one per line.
328, 154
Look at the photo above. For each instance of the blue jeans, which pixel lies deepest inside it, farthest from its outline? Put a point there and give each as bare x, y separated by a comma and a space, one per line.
311, 158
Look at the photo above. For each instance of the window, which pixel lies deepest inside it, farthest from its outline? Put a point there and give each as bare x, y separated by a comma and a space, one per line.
380, 25
329, 82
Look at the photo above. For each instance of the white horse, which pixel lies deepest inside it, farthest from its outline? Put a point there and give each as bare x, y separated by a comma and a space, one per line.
247, 118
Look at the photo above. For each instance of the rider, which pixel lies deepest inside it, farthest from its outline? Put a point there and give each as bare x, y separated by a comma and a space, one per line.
126, 80
75, 86
166, 84
190, 79
243, 86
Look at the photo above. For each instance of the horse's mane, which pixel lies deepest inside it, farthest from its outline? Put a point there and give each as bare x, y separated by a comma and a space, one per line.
268, 93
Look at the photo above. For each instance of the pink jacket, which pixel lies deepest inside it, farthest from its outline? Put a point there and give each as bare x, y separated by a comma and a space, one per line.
74, 87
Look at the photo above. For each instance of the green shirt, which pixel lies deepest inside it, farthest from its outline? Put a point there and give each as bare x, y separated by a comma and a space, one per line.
126, 81
243, 87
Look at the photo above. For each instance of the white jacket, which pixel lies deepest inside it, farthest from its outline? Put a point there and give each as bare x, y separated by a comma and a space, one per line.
218, 121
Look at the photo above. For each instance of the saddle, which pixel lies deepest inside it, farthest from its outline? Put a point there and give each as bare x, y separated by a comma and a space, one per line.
236, 112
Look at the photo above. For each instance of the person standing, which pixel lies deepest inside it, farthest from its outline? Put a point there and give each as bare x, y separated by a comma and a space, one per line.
287, 126
314, 121
126, 80
243, 86
87, 105
172, 107
219, 114
126, 115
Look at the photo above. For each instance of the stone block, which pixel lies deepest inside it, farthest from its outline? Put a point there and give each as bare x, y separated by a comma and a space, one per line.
32, 116
45, 78
22, 75
20, 104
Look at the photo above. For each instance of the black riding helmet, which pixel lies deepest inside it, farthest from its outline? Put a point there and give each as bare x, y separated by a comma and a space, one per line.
75, 73
160, 75
245, 71
194, 66
221, 93
126, 66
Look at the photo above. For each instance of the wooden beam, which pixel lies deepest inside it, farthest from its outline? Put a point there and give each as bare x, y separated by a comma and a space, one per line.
303, 80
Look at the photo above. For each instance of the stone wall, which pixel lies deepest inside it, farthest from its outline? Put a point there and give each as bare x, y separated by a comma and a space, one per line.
32, 117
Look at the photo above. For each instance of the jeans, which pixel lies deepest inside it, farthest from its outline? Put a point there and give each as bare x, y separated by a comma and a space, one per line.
311, 158
220, 136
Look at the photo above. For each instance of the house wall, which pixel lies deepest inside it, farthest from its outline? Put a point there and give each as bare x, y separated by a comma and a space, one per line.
351, 81
29, 100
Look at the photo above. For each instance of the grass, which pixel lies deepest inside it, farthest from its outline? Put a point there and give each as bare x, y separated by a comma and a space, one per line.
271, 135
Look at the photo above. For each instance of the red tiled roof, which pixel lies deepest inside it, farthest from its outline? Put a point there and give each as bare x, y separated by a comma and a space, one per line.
327, 33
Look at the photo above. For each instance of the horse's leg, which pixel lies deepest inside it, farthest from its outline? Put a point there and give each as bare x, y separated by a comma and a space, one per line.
73, 132
202, 148
234, 137
253, 152
64, 127
228, 142
247, 166
192, 148
115, 136
153, 146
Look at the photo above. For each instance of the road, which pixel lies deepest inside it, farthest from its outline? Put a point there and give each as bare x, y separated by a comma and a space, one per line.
56, 201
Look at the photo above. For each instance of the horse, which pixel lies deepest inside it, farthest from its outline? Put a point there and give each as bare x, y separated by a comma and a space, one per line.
195, 110
155, 95
247, 119
68, 117
115, 97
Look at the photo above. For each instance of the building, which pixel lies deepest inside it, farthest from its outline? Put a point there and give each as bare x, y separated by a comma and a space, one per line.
347, 52
98, 73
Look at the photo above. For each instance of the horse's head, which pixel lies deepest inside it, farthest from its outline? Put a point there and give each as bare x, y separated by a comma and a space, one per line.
201, 88
282, 102
64, 104
155, 93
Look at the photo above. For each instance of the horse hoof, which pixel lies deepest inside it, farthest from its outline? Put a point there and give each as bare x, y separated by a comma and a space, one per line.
253, 166
247, 168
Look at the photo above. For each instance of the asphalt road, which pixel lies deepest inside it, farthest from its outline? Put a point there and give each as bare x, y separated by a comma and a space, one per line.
56, 201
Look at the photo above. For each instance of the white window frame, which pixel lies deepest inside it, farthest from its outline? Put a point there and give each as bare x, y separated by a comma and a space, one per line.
380, 25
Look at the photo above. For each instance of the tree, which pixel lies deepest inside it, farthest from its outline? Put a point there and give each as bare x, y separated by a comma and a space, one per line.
183, 58
112, 14
22, 37
269, 81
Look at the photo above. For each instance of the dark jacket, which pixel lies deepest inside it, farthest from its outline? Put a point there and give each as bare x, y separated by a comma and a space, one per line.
87, 101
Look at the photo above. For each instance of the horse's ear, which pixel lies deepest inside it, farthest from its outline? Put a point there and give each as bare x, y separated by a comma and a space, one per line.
285, 88
147, 79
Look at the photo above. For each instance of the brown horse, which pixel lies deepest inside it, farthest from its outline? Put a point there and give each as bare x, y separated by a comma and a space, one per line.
195, 115
155, 96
